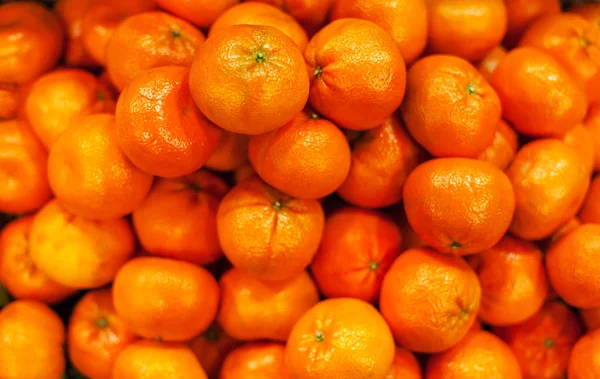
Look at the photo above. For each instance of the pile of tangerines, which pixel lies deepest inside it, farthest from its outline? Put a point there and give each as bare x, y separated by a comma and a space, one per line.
302, 189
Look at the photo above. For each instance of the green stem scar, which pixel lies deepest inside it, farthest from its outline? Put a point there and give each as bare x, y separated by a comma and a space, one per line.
549, 343
318, 71
102, 323
455, 245
259, 57
277, 205
319, 336
373, 266
471, 88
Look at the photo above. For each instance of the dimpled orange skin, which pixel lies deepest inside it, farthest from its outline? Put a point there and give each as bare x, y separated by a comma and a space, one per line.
58, 99
19, 274
257, 360
479, 354
230, 154
522, 13
71, 13
404, 366
355, 91
32, 41
78, 252
357, 249
543, 343
266, 233
31, 341
592, 124
157, 360
382, 158
90, 175
148, 40
164, 134
311, 14
308, 158
252, 309
550, 183
457, 205
261, 14
405, 20
340, 339
589, 11
211, 348
538, 96
96, 335
199, 12
590, 318
572, 263
430, 301
449, 108
580, 139
584, 362
490, 62
504, 147
590, 210
24, 183
513, 281
466, 29
164, 298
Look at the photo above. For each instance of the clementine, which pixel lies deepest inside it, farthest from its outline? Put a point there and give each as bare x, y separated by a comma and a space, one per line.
583, 363
211, 348
404, 366
522, 13
490, 62
256, 361
200, 12
504, 147
71, 13
230, 153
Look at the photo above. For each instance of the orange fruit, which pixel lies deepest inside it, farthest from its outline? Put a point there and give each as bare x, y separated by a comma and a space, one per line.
243, 172
211, 348
148, 40
565, 229
90, 175
307, 158
71, 13
410, 238
580, 139
543, 343
252, 309
572, 262
310, 14
583, 363
382, 158
490, 62
589, 11
31, 341
164, 134
430, 301
539, 97
522, 13
31, 40
479, 354
450, 109
19, 274
550, 182
473, 205
10, 100
178, 219
157, 360
78, 252
24, 182
256, 361
164, 298
341, 339
404, 366
592, 124
513, 281
249, 79
468, 29
230, 153
58, 99
96, 335
354, 90
503, 148
266, 233
200, 12
357, 249
405, 20
590, 210
590, 318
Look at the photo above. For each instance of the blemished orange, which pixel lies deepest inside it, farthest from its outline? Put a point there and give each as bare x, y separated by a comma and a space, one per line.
19, 274
31, 39
592, 124
404, 366
149, 40
211, 348
355, 91
490, 62
249, 79
164, 134
539, 97
473, 207
71, 13
522, 13
479, 354
90, 175
230, 153
252, 309
357, 249
96, 335
503, 148
450, 109
340, 339
199, 12
31, 341
58, 99
513, 281
310, 14
307, 158
78, 252
468, 29
590, 318
572, 264
583, 362
257, 360
580, 139
381, 159
543, 343
261, 14
550, 182
589, 11
429, 300
23, 179
405, 20
157, 360
164, 298
267, 233
590, 210
178, 219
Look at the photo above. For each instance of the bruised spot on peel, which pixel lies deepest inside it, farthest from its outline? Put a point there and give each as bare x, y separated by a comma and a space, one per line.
319, 336
102, 323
